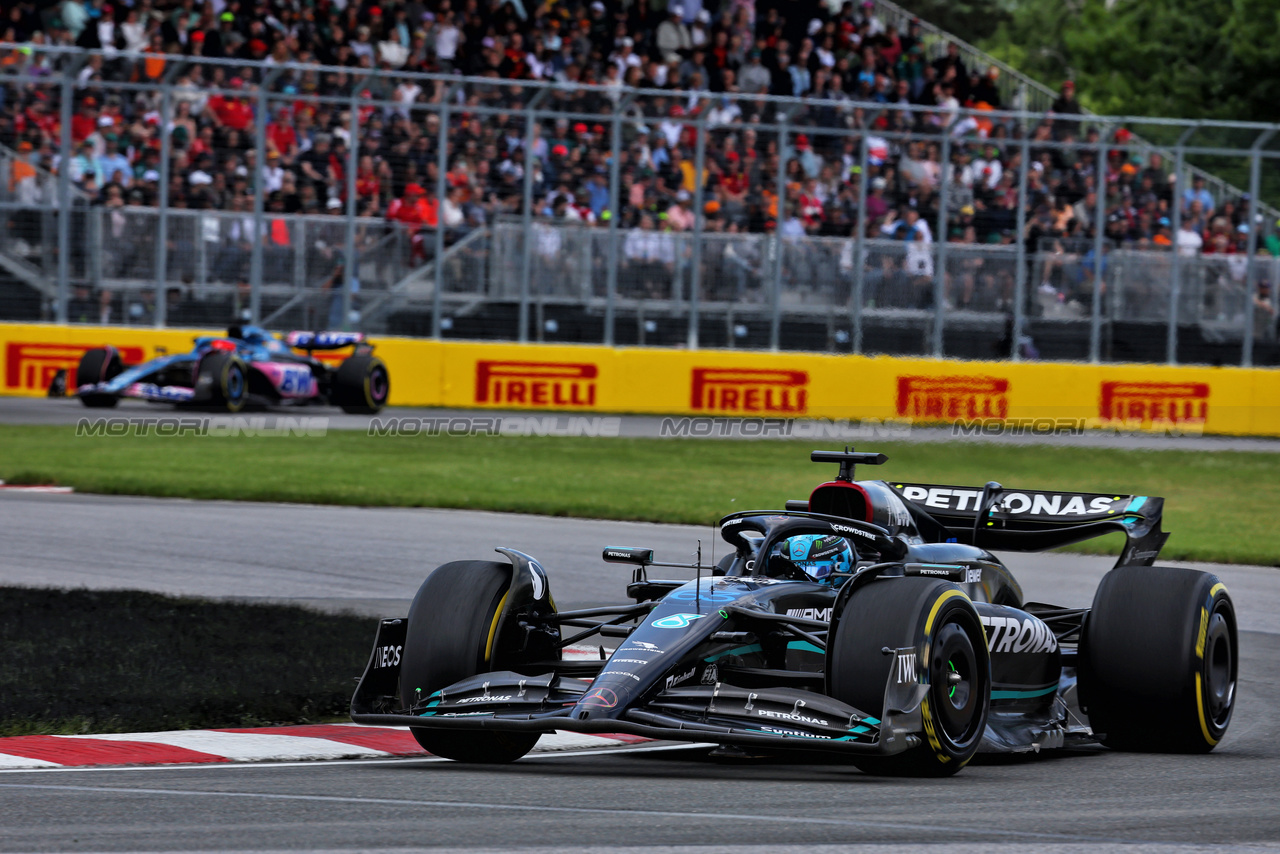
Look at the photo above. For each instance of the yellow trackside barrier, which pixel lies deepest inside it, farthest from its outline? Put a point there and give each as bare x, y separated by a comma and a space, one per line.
717, 383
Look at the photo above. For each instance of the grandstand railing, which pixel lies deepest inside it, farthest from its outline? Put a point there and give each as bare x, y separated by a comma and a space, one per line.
527, 277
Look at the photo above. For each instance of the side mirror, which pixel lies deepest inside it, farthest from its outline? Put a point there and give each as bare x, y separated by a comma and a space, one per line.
623, 554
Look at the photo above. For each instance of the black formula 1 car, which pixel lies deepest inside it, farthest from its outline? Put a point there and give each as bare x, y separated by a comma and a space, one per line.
910, 658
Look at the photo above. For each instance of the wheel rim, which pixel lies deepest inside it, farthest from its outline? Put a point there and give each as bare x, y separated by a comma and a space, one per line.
1219, 669
235, 383
956, 678
378, 385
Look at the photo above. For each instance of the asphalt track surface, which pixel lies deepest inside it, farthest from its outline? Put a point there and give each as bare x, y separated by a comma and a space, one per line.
372, 560
45, 411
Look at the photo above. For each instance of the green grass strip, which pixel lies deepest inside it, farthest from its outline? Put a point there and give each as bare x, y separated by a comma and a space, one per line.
1220, 506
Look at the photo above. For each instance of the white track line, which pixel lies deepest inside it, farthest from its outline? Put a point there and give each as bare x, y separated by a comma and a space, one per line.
949, 829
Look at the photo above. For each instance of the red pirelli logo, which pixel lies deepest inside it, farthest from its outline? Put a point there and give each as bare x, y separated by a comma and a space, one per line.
1147, 403
750, 390
31, 367
953, 398
536, 383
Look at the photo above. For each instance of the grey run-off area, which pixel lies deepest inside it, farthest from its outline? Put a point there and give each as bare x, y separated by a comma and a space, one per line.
372, 560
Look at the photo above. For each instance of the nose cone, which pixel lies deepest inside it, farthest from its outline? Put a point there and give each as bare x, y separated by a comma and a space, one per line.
600, 703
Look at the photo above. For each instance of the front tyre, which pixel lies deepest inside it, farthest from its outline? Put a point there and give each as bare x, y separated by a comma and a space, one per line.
99, 365
1159, 657
362, 385
939, 621
449, 637
222, 380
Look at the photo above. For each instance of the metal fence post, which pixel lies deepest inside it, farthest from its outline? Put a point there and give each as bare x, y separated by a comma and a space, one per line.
1255, 225
260, 160
1020, 273
300, 240
615, 214
162, 238
775, 319
1175, 287
526, 231
526, 219
442, 168
699, 193
1099, 236
859, 248
940, 271
93, 224
64, 193
349, 266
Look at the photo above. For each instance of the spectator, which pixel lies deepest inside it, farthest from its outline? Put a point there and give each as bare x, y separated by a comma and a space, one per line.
1067, 105
754, 78
673, 39
113, 166
1189, 241
1197, 193
984, 91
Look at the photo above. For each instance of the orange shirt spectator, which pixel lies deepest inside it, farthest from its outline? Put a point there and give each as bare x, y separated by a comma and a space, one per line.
21, 169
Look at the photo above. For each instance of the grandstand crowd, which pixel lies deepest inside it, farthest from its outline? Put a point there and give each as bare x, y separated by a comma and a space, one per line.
851, 70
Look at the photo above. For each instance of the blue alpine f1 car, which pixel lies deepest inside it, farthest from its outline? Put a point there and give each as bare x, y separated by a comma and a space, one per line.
247, 366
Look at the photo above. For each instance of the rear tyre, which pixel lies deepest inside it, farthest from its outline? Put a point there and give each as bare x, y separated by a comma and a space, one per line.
449, 637
1158, 660
224, 378
939, 621
98, 366
362, 385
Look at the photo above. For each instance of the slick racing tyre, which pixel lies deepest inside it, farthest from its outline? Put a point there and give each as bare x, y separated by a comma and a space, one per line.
449, 637
99, 366
222, 380
361, 385
938, 621
1158, 660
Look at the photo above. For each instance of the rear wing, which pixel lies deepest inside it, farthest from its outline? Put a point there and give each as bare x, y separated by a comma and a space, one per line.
310, 341
1027, 520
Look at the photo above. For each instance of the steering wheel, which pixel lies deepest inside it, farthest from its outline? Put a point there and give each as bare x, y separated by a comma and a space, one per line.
778, 566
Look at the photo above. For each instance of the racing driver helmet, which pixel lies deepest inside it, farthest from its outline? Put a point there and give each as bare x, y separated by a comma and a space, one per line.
818, 556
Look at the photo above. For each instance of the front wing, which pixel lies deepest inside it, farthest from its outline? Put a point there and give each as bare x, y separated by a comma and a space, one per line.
778, 718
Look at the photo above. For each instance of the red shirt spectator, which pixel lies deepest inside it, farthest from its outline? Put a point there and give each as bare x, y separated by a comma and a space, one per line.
84, 122
232, 111
811, 207
413, 209
281, 135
